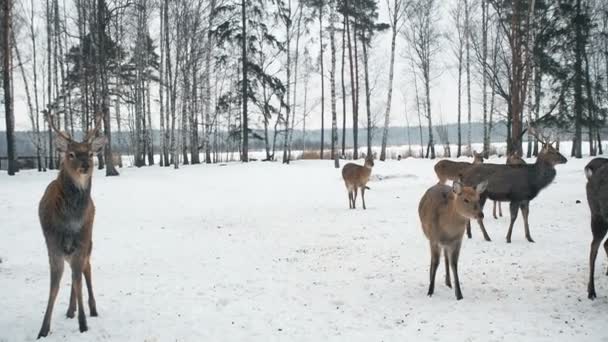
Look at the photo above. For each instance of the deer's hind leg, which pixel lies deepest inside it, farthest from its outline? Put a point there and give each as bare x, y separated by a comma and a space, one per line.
525, 210
514, 208
448, 282
363, 196
454, 254
599, 229
355, 191
435, 256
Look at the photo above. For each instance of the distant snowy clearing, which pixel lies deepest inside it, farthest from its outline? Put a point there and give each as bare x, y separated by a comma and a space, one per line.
271, 252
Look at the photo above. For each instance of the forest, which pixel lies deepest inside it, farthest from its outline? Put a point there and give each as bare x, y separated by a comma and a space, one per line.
211, 76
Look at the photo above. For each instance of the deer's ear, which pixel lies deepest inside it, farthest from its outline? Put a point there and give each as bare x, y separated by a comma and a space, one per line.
98, 143
457, 187
481, 187
61, 143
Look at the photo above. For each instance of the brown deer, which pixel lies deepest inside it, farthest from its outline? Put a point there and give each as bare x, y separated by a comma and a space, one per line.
517, 184
356, 177
451, 170
66, 214
444, 212
597, 197
513, 159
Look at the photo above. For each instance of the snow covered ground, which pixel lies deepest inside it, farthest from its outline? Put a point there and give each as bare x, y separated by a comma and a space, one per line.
269, 252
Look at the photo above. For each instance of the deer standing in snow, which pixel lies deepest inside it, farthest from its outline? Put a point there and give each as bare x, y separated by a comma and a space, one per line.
356, 177
517, 184
66, 214
597, 197
451, 170
444, 212
513, 159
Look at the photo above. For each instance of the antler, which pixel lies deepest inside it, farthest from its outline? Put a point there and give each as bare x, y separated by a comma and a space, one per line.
93, 133
546, 140
49, 118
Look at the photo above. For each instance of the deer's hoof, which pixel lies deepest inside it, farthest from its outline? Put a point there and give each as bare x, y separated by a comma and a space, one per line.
592, 295
530, 239
70, 314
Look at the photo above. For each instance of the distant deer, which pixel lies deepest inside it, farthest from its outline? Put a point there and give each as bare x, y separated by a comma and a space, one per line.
597, 197
66, 214
356, 177
513, 159
451, 170
444, 212
517, 184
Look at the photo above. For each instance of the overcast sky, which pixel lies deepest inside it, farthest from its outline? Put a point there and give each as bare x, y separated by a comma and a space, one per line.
443, 92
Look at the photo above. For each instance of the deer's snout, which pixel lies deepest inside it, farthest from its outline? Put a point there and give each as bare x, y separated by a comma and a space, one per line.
84, 167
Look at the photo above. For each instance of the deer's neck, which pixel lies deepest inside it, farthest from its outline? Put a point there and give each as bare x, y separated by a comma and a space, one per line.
76, 192
545, 173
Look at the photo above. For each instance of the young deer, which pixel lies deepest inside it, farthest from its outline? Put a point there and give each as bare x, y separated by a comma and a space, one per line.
451, 170
513, 159
66, 214
517, 184
355, 177
597, 197
444, 212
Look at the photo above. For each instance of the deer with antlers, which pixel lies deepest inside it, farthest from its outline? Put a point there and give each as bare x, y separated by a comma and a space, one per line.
516, 184
512, 159
66, 214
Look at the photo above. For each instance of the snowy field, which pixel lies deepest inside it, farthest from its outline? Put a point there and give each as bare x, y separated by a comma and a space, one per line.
268, 252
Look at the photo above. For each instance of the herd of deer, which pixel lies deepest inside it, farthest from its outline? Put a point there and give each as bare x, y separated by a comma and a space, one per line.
66, 210
446, 211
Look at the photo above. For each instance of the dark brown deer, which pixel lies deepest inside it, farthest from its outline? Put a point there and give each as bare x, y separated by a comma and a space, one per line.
597, 197
356, 177
444, 212
66, 214
451, 170
516, 184
513, 159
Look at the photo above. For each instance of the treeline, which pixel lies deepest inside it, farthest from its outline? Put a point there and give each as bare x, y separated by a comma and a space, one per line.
228, 74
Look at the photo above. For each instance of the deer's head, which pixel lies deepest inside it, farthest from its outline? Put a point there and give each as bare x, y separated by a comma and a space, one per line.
466, 199
548, 153
369, 161
551, 155
77, 157
477, 158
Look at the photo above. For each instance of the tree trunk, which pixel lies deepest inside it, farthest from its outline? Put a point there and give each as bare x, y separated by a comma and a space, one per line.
332, 77
578, 84
208, 54
245, 128
6, 83
467, 27
367, 96
320, 10
459, 149
342, 67
352, 86
288, 84
484, 101
391, 72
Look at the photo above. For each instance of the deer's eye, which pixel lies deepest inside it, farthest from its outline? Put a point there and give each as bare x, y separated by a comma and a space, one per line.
72, 155
90, 154
466, 200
